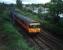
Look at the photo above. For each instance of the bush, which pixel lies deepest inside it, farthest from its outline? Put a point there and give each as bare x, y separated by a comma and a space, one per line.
53, 28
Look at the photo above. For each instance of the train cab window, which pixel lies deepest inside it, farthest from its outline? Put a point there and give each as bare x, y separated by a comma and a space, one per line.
34, 26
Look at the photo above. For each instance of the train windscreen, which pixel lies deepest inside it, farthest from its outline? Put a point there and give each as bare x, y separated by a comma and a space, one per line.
35, 25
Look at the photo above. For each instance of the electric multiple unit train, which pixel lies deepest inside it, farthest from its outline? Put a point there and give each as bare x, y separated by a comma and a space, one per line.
29, 25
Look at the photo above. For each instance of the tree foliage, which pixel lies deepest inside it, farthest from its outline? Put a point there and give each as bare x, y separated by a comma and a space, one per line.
19, 3
2, 7
39, 12
55, 8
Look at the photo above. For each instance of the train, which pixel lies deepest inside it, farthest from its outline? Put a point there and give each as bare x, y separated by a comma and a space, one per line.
29, 25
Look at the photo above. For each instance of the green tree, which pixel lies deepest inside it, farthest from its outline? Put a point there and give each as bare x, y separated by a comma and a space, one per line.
19, 3
55, 8
39, 12
32, 7
2, 7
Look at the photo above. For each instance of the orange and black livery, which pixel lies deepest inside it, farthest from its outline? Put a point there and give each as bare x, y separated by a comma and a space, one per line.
31, 26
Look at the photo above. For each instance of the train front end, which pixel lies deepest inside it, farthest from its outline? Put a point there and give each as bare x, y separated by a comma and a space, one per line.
34, 28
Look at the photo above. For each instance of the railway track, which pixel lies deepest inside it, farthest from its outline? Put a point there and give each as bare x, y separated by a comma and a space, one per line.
47, 43
51, 37
52, 44
40, 44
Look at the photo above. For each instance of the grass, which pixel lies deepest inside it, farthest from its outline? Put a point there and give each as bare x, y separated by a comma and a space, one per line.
16, 41
12, 39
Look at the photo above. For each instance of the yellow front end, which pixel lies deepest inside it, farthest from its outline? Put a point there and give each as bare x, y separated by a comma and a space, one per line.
34, 30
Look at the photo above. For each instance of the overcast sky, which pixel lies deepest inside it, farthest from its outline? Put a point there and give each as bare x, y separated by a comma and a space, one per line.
26, 1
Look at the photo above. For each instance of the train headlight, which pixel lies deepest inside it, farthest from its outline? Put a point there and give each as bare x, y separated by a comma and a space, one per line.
34, 30
39, 29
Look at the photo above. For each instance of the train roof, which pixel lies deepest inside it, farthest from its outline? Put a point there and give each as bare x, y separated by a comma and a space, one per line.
25, 18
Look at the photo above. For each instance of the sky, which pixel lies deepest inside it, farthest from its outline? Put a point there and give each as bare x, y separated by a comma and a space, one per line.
26, 1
